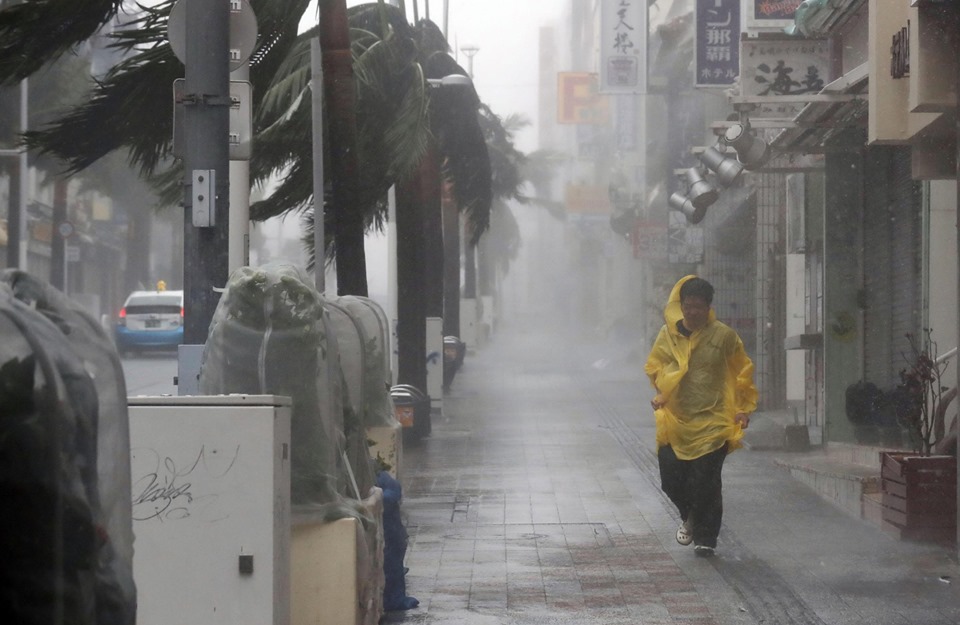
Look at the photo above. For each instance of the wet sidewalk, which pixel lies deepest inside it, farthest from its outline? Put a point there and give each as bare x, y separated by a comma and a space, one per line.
536, 500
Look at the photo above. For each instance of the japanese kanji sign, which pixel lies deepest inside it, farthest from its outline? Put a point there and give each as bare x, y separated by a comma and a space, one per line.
623, 46
783, 67
717, 42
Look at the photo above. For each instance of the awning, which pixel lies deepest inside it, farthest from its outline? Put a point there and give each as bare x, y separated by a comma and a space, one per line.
818, 123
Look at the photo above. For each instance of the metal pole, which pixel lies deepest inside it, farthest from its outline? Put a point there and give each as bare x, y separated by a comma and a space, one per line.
206, 124
17, 212
319, 232
446, 17
24, 178
239, 237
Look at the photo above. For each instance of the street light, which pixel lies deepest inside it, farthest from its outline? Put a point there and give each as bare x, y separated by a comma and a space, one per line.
451, 80
470, 50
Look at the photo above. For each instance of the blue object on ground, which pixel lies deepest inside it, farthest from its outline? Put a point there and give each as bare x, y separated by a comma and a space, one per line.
394, 547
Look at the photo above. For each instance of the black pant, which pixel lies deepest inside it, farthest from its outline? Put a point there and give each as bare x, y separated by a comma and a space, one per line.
694, 486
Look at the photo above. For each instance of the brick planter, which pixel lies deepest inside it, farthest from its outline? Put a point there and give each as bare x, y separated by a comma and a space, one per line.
919, 496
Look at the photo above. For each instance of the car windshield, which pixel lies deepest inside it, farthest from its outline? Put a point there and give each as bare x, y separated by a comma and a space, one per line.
154, 304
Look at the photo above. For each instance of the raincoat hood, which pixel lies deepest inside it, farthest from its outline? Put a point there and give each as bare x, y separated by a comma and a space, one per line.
672, 313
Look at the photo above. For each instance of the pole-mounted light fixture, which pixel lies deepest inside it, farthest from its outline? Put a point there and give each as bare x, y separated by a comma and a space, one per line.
726, 168
752, 151
450, 80
683, 204
701, 193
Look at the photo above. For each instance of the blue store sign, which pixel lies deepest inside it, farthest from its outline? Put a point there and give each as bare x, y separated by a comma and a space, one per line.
717, 42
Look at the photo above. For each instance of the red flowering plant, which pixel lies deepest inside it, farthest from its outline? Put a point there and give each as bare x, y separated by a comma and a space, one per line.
922, 399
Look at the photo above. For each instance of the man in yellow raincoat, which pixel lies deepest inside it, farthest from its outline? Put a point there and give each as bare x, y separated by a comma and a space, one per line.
705, 394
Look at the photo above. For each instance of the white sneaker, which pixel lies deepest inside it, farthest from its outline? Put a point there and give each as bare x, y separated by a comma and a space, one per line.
684, 536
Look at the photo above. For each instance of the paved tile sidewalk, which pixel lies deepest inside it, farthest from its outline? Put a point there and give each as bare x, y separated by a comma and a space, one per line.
535, 500
522, 508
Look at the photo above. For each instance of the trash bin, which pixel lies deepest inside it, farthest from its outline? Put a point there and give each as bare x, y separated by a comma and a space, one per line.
453, 352
412, 409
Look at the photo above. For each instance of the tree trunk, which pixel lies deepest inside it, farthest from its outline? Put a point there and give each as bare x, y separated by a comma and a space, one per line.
470, 264
451, 263
339, 91
433, 229
485, 267
411, 303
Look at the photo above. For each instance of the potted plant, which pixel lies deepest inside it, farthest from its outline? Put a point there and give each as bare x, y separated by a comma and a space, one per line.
920, 489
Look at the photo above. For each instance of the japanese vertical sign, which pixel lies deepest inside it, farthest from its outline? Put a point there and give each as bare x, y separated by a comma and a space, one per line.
717, 42
623, 46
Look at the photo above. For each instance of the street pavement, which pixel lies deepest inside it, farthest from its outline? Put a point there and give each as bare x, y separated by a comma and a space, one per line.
536, 501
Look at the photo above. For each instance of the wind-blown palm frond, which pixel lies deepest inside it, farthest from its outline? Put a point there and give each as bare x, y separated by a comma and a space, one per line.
505, 239
506, 161
455, 123
139, 89
136, 90
36, 32
391, 113
370, 17
540, 167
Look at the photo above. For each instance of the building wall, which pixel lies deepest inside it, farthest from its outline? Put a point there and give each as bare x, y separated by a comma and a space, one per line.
941, 268
842, 271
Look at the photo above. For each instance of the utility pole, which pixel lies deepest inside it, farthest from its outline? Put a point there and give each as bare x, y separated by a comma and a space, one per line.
206, 164
17, 211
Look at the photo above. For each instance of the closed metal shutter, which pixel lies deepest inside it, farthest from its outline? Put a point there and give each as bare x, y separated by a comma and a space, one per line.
892, 242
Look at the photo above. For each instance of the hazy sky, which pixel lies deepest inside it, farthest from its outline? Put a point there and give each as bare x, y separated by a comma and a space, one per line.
506, 31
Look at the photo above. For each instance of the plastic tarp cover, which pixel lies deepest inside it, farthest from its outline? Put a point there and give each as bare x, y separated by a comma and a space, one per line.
350, 347
268, 336
65, 518
376, 405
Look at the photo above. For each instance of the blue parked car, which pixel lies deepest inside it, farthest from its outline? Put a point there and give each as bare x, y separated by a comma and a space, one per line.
150, 320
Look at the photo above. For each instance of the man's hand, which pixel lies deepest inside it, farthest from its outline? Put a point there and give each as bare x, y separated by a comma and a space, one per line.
658, 402
742, 419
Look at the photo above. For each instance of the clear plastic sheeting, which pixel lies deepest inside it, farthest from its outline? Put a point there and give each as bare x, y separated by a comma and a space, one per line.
273, 333
377, 378
65, 518
268, 337
351, 356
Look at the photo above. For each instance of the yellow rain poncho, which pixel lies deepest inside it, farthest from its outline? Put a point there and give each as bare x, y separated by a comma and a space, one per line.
706, 379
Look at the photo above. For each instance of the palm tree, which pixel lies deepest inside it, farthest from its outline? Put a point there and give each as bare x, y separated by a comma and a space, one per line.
391, 61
